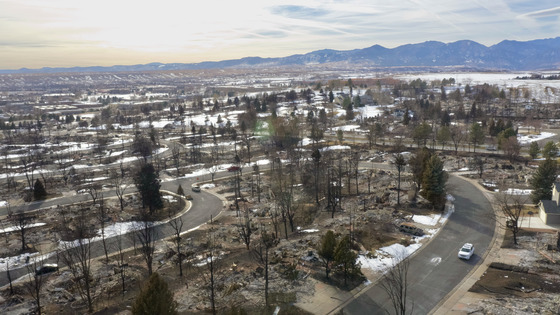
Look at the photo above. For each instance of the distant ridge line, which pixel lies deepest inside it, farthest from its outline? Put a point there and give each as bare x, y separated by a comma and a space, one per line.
508, 55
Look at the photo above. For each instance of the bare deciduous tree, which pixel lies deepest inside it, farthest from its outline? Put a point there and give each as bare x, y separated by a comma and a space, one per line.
76, 253
261, 253
511, 207
120, 255
244, 226
9, 276
176, 156
102, 217
395, 283
34, 284
211, 256
177, 226
146, 235
22, 221
120, 187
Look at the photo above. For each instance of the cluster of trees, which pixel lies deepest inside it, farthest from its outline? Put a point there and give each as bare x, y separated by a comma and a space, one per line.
336, 254
429, 177
324, 174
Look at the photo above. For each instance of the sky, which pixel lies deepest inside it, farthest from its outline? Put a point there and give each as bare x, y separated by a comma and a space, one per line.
66, 33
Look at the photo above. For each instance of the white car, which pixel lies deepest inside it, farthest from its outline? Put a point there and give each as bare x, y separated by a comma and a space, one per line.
466, 251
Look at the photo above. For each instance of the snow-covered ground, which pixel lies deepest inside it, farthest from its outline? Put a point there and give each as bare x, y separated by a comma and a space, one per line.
505, 81
370, 111
514, 191
17, 228
527, 138
336, 147
388, 256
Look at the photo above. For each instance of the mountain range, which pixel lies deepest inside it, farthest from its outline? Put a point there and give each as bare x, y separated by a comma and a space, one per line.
509, 55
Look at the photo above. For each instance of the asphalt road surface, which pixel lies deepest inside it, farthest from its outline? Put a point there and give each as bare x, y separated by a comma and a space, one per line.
204, 206
435, 270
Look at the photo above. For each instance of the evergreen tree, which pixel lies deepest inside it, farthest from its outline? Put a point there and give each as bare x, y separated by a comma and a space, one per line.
443, 94
417, 164
550, 150
345, 259
340, 135
542, 181
326, 250
406, 117
349, 112
443, 136
154, 298
504, 136
445, 118
473, 112
433, 182
476, 134
323, 116
147, 184
142, 146
421, 133
358, 101
180, 191
534, 150
39, 191
400, 163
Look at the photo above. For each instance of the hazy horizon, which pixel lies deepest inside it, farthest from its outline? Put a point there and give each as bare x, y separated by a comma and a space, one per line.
65, 33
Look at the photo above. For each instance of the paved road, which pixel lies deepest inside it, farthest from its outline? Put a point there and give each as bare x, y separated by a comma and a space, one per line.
204, 205
436, 270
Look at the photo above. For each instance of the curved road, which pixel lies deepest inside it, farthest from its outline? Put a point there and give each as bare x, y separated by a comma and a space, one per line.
435, 270
204, 206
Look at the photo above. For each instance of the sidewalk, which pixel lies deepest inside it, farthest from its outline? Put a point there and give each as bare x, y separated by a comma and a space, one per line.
326, 298
535, 223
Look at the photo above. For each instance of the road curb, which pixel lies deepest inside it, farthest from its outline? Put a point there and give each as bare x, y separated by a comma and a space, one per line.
362, 288
445, 306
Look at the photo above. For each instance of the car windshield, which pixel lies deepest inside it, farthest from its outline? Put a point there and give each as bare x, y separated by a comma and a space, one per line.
466, 250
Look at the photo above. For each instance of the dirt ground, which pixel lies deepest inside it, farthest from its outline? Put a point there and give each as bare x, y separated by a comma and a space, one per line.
524, 280
371, 216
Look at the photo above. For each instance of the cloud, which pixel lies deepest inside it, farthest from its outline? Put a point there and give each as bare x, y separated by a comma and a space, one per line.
297, 11
543, 13
216, 29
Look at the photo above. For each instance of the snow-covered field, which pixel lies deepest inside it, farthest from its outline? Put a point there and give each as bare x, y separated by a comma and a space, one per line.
528, 138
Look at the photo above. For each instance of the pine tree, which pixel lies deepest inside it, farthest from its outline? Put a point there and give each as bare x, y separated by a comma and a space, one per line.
154, 298
406, 117
433, 183
476, 134
326, 250
542, 181
349, 112
39, 192
180, 191
534, 150
550, 150
147, 184
400, 163
417, 164
345, 259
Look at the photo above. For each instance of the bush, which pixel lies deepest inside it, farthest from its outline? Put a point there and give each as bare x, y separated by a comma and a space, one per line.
39, 191
154, 298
